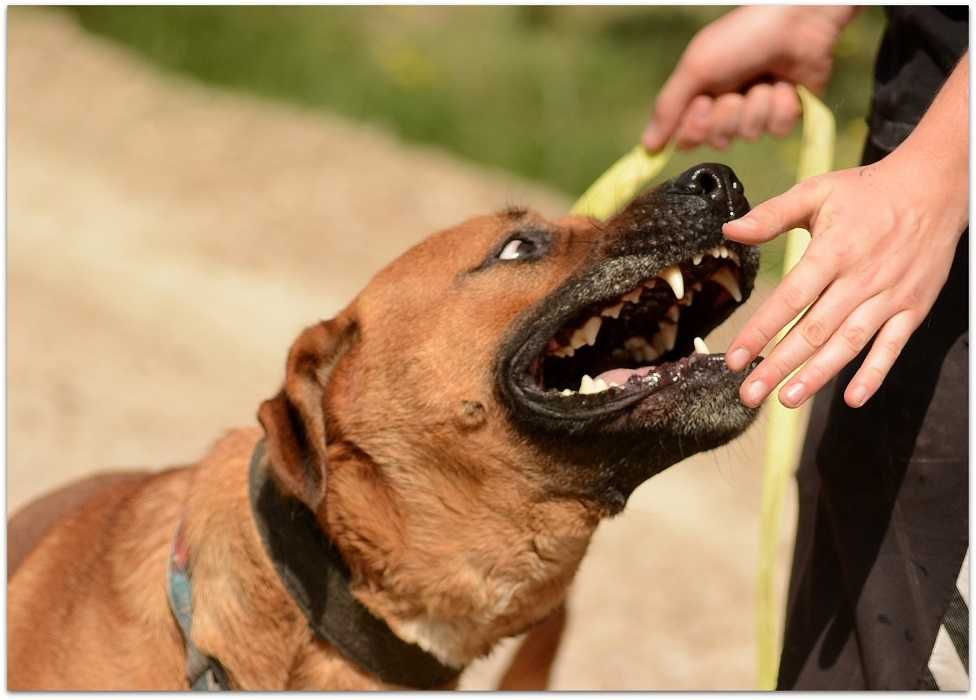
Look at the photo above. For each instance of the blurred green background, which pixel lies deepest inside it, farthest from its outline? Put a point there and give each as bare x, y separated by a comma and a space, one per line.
551, 93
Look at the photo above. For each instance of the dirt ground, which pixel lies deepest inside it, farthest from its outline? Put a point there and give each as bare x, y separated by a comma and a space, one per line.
167, 241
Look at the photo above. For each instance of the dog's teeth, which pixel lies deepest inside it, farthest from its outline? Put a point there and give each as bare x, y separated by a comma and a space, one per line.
673, 313
723, 251
632, 296
734, 256
669, 333
591, 329
566, 392
613, 311
696, 259
564, 351
700, 346
672, 275
725, 278
588, 385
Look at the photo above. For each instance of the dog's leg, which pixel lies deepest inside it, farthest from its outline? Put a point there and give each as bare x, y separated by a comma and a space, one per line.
532, 663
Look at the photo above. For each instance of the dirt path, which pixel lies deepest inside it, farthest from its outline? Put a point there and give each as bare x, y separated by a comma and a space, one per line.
165, 244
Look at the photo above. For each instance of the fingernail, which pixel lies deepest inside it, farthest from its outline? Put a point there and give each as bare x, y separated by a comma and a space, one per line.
859, 395
737, 359
794, 394
745, 225
754, 392
650, 137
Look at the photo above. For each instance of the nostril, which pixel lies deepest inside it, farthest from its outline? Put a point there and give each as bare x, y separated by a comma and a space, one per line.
706, 182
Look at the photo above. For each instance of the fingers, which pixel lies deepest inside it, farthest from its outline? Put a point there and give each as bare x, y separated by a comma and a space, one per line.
801, 286
670, 106
785, 109
795, 207
756, 112
842, 347
884, 351
809, 335
693, 129
725, 120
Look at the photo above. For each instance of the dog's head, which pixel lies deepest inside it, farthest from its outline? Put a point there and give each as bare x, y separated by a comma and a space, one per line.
513, 360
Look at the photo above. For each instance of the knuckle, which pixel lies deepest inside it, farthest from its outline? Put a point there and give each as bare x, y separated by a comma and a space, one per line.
816, 374
855, 336
874, 375
793, 297
891, 348
814, 332
776, 369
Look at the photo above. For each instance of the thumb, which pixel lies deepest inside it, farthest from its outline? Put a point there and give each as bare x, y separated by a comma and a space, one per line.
670, 105
794, 208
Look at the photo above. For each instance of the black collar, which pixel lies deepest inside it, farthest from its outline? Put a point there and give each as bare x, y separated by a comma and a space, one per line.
315, 575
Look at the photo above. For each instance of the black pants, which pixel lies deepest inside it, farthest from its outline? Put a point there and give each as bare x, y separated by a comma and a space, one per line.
884, 514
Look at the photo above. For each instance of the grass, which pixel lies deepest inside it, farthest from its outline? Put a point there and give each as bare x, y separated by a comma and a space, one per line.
555, 94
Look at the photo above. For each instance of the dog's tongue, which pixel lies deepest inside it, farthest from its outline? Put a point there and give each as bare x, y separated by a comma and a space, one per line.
620, 376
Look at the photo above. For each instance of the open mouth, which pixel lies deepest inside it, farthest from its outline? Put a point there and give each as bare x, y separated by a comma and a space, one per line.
647, 337
603, 356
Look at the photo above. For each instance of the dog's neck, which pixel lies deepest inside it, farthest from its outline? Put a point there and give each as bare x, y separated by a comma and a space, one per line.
312, 569
454, 558
449, 598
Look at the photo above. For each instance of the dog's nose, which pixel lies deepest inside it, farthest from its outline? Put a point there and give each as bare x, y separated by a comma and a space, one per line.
717, 184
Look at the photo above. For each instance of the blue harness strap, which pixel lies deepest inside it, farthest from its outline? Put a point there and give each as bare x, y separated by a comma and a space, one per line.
202, 672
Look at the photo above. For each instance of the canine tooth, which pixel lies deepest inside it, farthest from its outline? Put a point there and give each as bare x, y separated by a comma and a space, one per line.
725, 278
592, 328
632, 296
566, 392
696, 259
613, 311
672, 275
669, 333
588, 385
734, 256
673, 313
701, 347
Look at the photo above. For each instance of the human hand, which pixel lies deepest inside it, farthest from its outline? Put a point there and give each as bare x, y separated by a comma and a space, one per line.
883, 239
737, 77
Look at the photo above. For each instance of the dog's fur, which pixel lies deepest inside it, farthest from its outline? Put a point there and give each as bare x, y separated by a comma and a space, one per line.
458, 527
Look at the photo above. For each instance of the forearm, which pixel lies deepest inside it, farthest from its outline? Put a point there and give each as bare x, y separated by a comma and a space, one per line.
938, 149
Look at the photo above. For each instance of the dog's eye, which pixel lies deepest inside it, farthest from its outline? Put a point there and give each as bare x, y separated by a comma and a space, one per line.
518, 248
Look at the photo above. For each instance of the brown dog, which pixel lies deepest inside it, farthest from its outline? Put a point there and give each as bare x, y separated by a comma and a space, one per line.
428, 479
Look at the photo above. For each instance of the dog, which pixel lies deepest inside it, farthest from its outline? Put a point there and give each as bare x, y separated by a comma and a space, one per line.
428, 478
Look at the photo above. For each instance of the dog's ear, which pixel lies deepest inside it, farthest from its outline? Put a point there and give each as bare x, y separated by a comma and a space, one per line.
294, 420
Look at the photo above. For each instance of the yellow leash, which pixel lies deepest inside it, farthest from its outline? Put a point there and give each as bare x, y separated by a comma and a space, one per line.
611, 193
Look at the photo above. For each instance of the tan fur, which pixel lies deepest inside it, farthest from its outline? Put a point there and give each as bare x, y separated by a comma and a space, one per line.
438, 506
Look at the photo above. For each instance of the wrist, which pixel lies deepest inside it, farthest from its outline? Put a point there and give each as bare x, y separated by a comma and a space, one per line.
932, 182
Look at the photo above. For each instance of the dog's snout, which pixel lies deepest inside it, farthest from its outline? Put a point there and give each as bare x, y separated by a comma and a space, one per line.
717, 184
